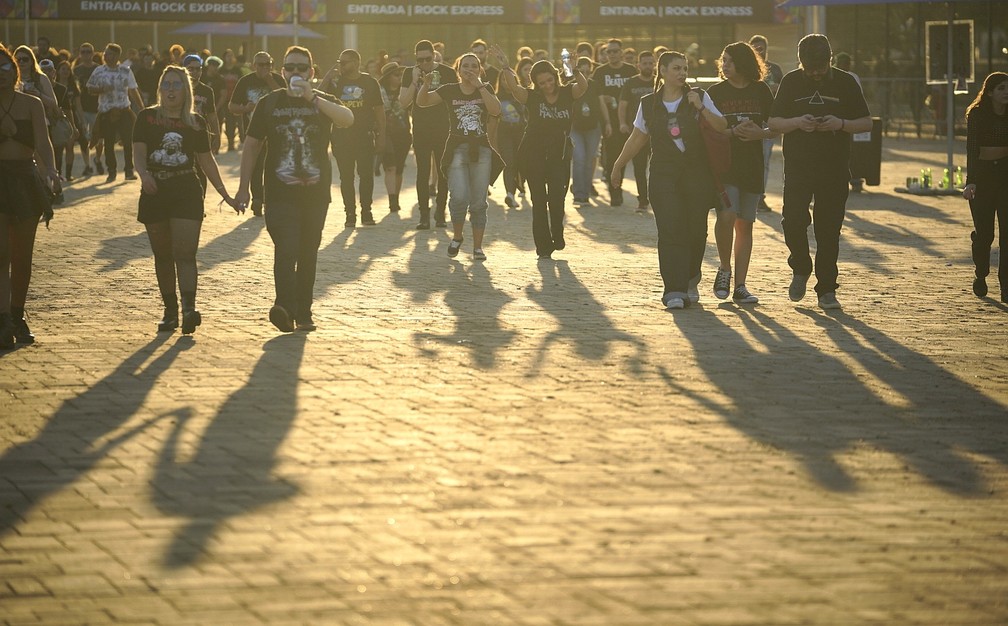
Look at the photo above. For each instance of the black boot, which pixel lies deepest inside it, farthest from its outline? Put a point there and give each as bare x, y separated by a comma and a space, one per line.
6, 331
22, 334
190, 316
393, 201
170, 320
424, 220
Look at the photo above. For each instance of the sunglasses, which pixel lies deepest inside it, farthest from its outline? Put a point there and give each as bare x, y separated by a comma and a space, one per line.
264, 63
297, 67
424, 59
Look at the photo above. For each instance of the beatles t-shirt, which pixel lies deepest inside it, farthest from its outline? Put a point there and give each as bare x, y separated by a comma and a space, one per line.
297, 166
430, 120
751, 102
609, 81
172, 145
467, 113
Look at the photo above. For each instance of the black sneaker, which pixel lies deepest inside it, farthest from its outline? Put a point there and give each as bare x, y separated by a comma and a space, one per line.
980, 287
130, 175
190, 320
281, 319
305, 323
98, 166
169, 322
22, 334
559, 243
351, 221
367, 219
111, 176
722, 283
453, 247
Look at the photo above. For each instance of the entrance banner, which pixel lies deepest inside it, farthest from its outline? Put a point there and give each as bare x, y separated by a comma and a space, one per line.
168, 10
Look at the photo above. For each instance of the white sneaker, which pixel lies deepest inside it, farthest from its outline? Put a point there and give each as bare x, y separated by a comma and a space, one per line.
674, 302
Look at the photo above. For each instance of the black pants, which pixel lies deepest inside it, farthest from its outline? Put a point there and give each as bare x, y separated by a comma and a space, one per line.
118, 123
232, 127
991, 179
296, 232
681, 201
355, 153
828, 188
548, 182
424, 147
611, 148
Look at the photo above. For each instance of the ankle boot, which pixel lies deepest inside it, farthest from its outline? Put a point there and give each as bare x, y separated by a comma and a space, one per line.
170, 320
6, 331
424, 220
190, 316
22, 334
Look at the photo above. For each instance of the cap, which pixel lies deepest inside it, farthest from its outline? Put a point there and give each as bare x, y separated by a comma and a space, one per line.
189, 58
47, 64
214, 60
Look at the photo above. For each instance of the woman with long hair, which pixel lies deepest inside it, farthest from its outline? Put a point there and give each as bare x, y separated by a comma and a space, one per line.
511, 129
682, 184
745, 101
987, 178
34, 82
467, 153
398, 135
169, 139
544, 155
68, 98
23, 135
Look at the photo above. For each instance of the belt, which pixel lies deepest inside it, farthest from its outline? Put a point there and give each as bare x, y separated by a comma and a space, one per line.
165, 175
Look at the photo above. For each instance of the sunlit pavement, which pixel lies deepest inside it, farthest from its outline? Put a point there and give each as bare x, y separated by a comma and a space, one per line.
508, 441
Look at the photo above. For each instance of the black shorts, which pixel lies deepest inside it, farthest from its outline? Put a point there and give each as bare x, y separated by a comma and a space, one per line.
180, 197
22, 191
396, 150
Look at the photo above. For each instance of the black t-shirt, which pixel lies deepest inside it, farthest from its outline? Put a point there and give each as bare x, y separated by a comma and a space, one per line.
172, 146
492, 74
215, 82
586, 109
147, 82
548, 122
838, 94
467, 113
251, 88
430, 120
633, 90
751, 102
89, 101
297, 148
609, 81
361, 95
203, 100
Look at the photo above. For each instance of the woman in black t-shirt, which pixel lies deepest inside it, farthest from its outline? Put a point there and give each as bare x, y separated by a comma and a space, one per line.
545, 153
168, 140
745, 101
467, 154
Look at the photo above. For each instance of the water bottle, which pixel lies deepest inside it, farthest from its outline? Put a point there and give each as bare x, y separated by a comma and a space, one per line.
923, 178
946, 181
958, 176
565, 58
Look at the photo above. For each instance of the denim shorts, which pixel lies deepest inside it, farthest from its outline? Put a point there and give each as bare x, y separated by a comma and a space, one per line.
743, 203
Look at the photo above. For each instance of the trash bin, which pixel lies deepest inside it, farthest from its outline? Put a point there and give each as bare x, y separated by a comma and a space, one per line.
866, 154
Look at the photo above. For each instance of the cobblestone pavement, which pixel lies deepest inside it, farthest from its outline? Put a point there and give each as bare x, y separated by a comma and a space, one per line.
508, 442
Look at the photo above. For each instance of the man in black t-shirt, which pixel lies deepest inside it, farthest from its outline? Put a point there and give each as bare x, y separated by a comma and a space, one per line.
817, 107
629, 101
609, 79
430, 129
773, 78
83, 67
204, 98
294, 125
249, 89
355, 147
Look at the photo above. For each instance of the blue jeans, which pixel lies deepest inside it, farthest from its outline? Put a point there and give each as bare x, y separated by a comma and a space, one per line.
467, 186
586, 144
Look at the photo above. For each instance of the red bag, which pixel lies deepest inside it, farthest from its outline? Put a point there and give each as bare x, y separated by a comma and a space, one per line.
718, 153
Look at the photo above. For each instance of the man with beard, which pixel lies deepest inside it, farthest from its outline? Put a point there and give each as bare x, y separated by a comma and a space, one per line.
247, 92
430, 130
355, 147
630, 96
609, 79
294, 124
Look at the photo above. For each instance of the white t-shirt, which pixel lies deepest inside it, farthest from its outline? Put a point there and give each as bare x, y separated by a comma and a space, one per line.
120, 79
672, 107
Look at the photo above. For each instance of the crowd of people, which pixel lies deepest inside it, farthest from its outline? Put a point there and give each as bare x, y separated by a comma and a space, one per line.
542, 126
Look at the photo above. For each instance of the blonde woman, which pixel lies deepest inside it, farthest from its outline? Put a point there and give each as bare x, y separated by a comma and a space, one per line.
169, 139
